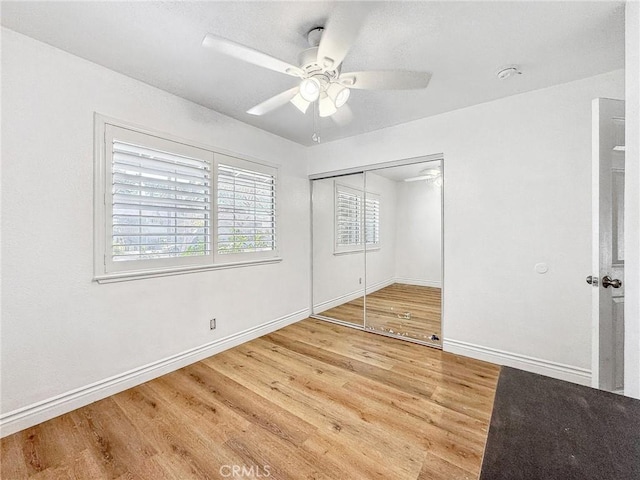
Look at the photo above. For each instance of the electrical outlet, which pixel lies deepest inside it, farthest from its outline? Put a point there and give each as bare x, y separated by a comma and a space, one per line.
212, 324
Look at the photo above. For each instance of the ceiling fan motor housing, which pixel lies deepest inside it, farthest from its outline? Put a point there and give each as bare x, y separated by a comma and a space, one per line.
314, 36
308, 61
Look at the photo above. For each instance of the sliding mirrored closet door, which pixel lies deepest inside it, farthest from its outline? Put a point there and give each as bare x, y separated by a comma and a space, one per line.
404, 266
338, 253
377, 250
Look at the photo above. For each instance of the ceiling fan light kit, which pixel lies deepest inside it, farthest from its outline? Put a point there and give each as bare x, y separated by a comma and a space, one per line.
326, 107
320, 67
339, 94
310, 89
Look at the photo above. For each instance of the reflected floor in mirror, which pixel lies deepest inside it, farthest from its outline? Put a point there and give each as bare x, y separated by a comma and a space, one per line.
411, 311
350, 312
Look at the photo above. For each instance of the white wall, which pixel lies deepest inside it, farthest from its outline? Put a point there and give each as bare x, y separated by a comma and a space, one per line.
419, 234
632, 201
60, 330
517, 192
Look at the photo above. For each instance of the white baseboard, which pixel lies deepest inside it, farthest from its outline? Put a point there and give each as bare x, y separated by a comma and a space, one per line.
418, 282
39, 412
561, 371
334, 302
374, 287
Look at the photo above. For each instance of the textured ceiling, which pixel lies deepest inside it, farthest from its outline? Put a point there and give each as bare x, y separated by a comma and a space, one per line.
461, 43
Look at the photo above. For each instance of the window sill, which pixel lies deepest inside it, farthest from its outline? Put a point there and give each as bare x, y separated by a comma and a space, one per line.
357, 250
164, 272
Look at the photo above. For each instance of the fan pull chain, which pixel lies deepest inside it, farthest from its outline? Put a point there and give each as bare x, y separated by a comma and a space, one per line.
316, 123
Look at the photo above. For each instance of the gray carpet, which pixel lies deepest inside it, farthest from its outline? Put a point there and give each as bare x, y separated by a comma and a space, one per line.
547, 429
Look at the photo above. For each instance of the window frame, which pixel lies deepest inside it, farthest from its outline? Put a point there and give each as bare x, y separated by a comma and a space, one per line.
363, 194
105, 269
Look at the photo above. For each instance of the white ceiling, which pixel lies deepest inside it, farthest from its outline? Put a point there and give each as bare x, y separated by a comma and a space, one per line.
461, 43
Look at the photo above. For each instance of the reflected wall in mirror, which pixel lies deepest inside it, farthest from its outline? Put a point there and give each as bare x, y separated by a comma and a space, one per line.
404, 271
377, 250
338, 252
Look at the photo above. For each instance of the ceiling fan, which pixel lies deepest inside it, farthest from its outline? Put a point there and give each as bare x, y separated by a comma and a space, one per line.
320, 69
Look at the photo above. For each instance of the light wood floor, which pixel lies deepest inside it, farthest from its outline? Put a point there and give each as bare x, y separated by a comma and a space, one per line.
385, 307
313, 400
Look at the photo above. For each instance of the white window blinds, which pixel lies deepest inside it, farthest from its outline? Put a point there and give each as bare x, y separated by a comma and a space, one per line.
372, 219
161, 204
357, 218
348, 217
246, 209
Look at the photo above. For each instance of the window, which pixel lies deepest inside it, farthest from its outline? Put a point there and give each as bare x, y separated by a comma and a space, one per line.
160, 204
357, 219
167, 205
246, 208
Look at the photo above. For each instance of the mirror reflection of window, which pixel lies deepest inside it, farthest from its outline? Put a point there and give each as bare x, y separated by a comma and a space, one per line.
357, 221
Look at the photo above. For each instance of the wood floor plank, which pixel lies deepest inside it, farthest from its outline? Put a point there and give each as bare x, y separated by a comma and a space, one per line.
325, 408
269, 453
362, 368
329, 342
256, 409
318, 405
421, 410
435, 468
314, 400
371, 392
12, 458
474, 406
186, 448
113, 438
215, 420
290, 362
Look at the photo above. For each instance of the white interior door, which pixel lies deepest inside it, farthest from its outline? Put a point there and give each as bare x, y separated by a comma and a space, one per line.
608, 245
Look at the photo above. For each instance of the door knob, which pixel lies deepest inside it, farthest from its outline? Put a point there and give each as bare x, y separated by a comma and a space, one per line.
608, 282
592, 280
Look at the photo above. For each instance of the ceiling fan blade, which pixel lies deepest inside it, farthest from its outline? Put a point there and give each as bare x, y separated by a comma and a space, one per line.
340, 33
273, 102
343, 116
247, 54
300, 103
385, 80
